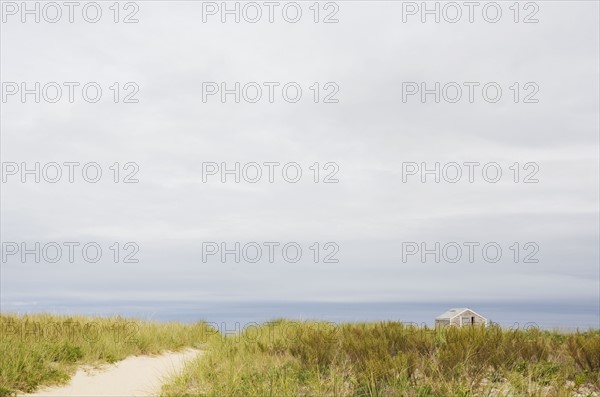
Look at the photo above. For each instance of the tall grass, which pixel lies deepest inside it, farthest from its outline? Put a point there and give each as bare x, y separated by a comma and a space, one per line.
45, 349
286, 358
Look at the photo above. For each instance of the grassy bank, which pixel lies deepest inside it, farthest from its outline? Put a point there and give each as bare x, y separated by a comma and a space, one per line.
388, 359
43, 349
285, 358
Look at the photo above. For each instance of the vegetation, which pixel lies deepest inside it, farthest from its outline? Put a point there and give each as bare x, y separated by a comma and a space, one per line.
44, 349
286, 358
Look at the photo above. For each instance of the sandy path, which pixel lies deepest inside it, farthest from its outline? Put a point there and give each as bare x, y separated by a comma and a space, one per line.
135, 376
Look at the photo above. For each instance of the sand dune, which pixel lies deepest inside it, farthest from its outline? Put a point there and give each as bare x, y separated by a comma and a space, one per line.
135, 376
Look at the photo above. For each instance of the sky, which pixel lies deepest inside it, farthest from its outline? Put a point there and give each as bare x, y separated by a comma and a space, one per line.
369, 217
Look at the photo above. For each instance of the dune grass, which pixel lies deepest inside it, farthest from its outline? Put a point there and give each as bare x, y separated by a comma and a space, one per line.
44, 349
286, 358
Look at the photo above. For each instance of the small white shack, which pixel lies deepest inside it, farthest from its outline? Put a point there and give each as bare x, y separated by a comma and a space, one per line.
459, 317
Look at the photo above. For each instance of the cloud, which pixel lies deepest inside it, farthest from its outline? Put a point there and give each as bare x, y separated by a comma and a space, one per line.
369, 135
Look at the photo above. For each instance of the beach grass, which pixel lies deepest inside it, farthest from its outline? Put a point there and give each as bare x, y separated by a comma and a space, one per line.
308, 358
286, 358
43, 349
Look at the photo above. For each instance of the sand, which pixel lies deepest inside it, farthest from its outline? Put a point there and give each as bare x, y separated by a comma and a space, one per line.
135, 376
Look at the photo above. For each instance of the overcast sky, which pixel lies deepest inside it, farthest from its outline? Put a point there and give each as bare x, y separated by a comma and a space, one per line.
369, 134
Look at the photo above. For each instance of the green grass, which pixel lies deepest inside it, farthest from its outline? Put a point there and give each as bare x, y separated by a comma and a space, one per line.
286, 358
45, 349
